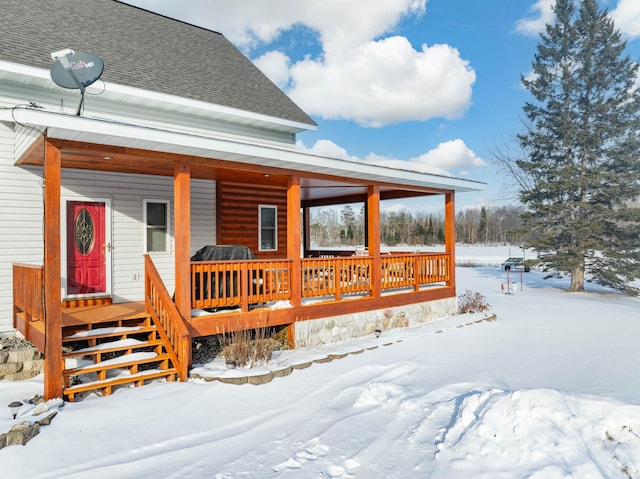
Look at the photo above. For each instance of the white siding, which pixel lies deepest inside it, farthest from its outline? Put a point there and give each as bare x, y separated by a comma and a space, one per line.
20, 219
24, 138
127, 193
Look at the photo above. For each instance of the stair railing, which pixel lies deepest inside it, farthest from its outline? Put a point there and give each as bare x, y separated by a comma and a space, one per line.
165, 315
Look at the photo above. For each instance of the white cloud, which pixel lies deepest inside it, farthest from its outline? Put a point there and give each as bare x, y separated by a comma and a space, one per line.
388, 162
626, 16
542, 14
361, 73
326, 148
383, 82
276, 66
449, 155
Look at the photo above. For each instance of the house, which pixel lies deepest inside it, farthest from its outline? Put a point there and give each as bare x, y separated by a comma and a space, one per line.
106, 194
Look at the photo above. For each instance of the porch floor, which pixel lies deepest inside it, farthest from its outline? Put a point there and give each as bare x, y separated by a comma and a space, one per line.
87, 315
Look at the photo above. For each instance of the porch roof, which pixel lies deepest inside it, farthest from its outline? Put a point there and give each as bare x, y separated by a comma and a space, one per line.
138, 142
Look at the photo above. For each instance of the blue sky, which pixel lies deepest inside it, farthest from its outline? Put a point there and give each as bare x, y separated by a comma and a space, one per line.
430, 84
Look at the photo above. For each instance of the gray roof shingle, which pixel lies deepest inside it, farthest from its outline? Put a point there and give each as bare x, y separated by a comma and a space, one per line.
144, 50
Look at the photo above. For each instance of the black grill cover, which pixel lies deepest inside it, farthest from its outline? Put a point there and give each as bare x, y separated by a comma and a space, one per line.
222, 252
217, 284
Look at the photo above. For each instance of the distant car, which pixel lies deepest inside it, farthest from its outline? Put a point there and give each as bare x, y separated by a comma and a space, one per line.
515, 263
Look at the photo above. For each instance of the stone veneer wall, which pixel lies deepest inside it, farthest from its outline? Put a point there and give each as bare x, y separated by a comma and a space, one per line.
342, 328
20, 364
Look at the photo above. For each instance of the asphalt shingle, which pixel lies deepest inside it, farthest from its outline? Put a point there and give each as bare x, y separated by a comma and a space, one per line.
144, 50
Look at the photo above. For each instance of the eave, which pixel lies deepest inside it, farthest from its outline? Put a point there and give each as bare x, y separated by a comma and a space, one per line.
117, 136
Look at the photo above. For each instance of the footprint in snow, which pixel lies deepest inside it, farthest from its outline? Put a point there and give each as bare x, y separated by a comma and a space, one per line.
344, 470
310, 451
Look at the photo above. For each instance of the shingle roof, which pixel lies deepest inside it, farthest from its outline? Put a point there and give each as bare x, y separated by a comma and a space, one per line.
144, 50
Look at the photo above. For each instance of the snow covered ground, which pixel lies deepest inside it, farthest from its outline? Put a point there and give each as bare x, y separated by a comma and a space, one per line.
549, 390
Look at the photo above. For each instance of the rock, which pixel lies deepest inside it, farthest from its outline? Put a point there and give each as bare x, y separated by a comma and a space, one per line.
21, 434
45, 421
41, 408
236, 380
9, 368
21, 426
261, 379
303, 365
278, 373
22, 355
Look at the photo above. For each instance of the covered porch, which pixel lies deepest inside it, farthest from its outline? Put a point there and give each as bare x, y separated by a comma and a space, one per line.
303, 283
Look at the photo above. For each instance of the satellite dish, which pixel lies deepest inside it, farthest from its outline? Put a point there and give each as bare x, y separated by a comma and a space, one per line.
76, 70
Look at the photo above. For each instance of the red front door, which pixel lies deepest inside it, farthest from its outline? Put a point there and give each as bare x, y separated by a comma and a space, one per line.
86, 247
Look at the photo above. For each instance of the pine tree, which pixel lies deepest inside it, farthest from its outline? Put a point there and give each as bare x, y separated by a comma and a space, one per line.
582, 146
483, 229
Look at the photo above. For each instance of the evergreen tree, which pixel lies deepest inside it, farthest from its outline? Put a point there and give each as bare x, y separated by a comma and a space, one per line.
582, 148
483, 229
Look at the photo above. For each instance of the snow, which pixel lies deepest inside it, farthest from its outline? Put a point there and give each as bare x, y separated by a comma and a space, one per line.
548, 390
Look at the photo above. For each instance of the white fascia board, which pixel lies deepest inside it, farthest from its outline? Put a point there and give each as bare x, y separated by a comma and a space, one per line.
122, 93
65, 126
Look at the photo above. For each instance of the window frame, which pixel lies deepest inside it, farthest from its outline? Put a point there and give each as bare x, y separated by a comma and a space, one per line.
261, 228
146, 226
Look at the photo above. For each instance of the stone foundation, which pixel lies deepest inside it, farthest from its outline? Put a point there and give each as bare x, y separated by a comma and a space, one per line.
316, 332
20, 364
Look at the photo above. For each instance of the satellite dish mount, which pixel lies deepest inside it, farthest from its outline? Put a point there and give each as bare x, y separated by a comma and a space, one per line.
76, 70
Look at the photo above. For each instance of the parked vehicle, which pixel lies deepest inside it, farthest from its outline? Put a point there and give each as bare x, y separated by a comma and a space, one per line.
515, 264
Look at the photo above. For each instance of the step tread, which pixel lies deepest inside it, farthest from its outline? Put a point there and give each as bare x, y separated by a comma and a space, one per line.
112, 346
123, 361
129, 378
107, 332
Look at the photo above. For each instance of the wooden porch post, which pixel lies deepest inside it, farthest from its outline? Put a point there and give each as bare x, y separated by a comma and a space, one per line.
450, 234
306, 227
373, 237
53, 362
293, 238
182, 235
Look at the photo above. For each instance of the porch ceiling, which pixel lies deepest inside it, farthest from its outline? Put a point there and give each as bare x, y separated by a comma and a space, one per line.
316, 190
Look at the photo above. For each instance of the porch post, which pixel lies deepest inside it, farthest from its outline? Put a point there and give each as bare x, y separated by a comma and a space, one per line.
182, 235
53, 362
294, 231
306, 227
450, 234
373, 237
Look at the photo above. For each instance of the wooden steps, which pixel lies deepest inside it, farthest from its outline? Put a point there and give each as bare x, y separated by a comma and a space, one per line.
113, 352
105, 387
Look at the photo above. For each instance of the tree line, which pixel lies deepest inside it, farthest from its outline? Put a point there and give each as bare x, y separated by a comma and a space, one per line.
577, 163
346, 227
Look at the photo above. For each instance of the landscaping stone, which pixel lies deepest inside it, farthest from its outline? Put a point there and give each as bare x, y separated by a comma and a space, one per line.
260, 379
47, 420
234, 380
20, 434
279, 373
9, 368
19, 359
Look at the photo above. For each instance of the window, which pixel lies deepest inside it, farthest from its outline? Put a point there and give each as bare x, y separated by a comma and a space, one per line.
267, 228
156, 221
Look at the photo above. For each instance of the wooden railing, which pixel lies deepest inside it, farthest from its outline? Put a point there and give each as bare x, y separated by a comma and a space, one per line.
414, 270
165, 315
223, 284
28, 296
336, 276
